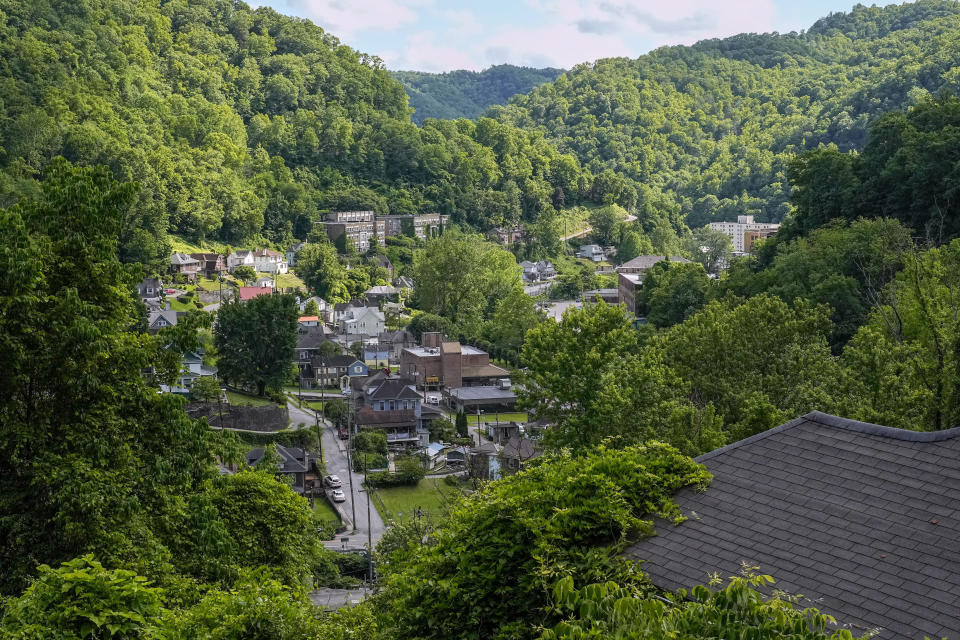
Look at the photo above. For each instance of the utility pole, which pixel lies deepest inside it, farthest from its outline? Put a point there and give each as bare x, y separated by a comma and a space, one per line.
369, 527
316, 417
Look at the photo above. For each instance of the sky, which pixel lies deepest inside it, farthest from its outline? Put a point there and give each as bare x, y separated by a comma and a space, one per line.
442, 35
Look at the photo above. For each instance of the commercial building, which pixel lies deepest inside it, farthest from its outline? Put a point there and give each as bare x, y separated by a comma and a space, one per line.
630, 277
439, 363
738, 230
359, 227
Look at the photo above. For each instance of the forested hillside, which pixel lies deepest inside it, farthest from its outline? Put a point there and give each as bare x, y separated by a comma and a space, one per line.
240, 125
467, 94
707, 131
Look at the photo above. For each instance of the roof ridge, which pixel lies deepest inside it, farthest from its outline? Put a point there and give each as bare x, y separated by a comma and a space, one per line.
837, 422
881, 430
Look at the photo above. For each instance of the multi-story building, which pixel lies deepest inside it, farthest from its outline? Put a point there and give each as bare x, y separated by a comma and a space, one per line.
359, 227
440, 363
211, 264
737, 230
183, 265
429, 225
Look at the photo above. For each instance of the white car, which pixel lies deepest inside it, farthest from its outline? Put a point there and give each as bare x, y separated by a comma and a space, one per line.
338, 495
333, 482
433, 399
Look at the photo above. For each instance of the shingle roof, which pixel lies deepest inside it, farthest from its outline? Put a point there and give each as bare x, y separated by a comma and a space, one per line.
645, 262
291, 459
863, 520
395, 389
249, 293
182, 258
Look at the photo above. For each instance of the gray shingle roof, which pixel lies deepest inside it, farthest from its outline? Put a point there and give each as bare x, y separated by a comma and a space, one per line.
395, 389
645, 262
863, 520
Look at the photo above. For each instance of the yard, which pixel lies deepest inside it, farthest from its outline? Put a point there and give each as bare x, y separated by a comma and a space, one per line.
493, 417
432, 495
242, 399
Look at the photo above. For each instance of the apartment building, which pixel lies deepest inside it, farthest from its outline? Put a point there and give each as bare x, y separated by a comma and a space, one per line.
738, 231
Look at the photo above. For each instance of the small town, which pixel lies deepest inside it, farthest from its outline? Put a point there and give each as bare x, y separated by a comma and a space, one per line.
394, 320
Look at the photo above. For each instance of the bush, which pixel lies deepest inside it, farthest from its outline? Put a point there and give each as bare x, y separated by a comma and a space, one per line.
409, 471
183, 299
363, 461
371, 442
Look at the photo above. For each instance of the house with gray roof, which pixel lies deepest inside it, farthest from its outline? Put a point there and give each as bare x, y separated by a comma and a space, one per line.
862, 520
161, 319
294, 463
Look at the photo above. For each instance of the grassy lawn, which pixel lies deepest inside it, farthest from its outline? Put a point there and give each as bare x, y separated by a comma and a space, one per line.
492, 417
188, 246
432, 495
323, 509
314, 405
290, 279
244, 399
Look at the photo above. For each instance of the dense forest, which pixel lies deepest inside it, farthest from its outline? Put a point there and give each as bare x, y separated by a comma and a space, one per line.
706, 132
240, 125
467, 94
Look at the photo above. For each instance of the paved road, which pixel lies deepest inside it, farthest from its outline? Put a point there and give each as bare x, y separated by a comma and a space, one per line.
333, 599
335, 455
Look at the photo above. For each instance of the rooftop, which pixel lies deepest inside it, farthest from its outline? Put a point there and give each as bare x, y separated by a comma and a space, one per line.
859, 518
248, 293
481, 393
645, 262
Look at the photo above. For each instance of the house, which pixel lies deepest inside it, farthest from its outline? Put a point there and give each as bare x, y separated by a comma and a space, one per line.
264, 282
309, 321
434, 453
382, 293
192, 367
404, 282
157, 320
324, 307
249, 293
457, 455
309, 341
591, 252
211, 264
507, 235
291, 253
294, 464
396, 342
537, 271
375, 355
861, 519
359, 323
641, 264
241, 258
517, 451
150, 288
390, 404
328, 371
270, 261
183, 265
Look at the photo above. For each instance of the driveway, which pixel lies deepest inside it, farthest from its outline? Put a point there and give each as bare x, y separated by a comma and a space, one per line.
335, 455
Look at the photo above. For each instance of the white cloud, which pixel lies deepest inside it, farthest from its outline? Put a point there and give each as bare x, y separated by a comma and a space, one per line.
347, 18
440, 35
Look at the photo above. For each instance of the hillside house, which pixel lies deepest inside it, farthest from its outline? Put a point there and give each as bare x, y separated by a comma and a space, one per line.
211, 264
294, 464
390, 404
157, 320
328, 371
270, 261
149, 289
183, 265
192, 368
291, 253
249, 293
359, 323
241, 258
591, 252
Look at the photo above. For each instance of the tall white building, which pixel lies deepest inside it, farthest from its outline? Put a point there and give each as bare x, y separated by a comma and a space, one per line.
737, 230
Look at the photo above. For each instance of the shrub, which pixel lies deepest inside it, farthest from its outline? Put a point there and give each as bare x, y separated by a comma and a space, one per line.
371, 442
363, 461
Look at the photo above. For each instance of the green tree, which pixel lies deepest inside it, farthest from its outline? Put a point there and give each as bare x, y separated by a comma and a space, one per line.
483, 571
674, 291
82, 599
311, 308
427, 323
321, 270
711, 248
255, 341
461, 277
604, 222
462, 427
205, 389
85, 439
245, 273
611, 611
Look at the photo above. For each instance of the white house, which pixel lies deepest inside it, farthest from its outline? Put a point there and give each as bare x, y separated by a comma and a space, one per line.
270, 261
292, 253
362, 321
591, 252
241, 258
264, 282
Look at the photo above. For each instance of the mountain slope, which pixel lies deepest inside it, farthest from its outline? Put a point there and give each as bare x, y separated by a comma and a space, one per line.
706, 132
467, 94
241, 125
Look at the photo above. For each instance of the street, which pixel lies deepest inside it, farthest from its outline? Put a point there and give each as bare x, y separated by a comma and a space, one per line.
335, 456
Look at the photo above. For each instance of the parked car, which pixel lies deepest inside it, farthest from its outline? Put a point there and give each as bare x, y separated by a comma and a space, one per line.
338, 495
343, 434
433, 399
332, 481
